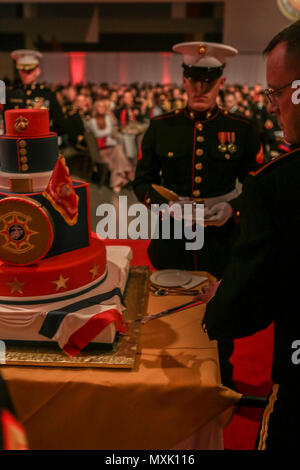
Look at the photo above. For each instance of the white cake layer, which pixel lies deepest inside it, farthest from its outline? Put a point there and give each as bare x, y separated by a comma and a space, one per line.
39, 180
24, 322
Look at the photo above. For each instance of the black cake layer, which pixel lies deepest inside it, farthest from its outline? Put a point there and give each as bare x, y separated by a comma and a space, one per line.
66, 237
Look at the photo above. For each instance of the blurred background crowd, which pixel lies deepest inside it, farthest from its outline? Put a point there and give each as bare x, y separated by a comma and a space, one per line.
106, 123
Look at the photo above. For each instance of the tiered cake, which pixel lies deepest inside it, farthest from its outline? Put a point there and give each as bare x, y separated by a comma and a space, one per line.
57, 281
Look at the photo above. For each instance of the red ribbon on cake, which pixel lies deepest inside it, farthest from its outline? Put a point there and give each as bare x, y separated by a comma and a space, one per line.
61, 193
86, 333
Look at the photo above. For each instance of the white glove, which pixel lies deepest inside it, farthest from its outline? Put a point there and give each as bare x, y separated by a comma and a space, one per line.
218, 214
181, 213
176, 214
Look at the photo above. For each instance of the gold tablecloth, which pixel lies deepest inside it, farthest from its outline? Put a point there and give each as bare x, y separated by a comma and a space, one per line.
170, 395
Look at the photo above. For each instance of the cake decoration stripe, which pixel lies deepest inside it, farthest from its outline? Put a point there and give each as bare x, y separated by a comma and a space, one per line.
89, 330
56, 297
54, 318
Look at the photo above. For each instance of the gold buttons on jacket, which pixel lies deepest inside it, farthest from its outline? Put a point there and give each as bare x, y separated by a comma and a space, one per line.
198, 166
227, 156
148, 200
196, 193
198, 179
25, 167
199, 126
192, 115
22, 143
200, 138
23, 151
170, 154
24, 159
199, 152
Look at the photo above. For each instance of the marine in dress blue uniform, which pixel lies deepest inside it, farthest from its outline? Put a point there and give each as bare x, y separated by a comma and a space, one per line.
199, 152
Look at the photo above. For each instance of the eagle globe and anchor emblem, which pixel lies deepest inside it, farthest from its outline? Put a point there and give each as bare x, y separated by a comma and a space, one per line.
16, 232
290, 9
26, 231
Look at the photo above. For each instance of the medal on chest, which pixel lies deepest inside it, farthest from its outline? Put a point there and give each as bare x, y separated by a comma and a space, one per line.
222, 147
232, 148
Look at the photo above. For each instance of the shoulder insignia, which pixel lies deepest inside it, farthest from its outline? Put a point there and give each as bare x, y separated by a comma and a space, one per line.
235, 116
274, 161
171, 114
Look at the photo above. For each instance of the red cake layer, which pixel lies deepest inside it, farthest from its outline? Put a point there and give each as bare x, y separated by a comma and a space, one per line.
55, 277
27, 123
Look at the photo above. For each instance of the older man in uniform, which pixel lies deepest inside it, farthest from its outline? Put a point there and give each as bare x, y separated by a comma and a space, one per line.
261, 283
199, 152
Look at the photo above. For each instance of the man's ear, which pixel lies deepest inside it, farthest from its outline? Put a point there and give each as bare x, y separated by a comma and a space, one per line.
184, 82
222, 82
37, 72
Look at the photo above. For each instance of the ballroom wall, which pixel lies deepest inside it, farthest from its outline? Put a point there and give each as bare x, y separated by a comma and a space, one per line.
248, 26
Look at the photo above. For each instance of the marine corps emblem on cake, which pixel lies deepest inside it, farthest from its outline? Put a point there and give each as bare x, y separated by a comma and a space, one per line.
16, 232
26, 231
21, 124
290, 9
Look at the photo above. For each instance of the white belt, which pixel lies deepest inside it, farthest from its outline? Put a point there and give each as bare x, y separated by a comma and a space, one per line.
211, 201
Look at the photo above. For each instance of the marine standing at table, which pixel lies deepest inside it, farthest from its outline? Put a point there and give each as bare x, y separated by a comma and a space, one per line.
199, 152
261, 283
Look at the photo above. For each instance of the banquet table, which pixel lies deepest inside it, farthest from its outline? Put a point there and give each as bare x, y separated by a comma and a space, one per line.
171, 399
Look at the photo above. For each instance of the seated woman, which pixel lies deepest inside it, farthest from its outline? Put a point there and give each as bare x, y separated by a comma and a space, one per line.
110, 151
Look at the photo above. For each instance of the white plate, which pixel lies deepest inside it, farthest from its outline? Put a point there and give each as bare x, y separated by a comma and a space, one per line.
170, 277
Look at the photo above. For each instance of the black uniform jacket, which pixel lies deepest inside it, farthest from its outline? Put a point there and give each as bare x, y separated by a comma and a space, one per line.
182, 151
185, 148
261, 283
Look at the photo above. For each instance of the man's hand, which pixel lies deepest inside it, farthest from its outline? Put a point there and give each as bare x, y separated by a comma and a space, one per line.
179, 210
218, 214
209, 291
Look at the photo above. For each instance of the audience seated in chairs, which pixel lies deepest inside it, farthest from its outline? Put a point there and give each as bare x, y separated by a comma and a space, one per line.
110, 151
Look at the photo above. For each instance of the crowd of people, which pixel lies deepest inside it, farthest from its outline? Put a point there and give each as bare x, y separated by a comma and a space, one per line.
129, 108
118, 115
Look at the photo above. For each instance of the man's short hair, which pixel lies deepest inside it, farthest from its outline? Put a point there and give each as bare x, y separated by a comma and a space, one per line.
290, 36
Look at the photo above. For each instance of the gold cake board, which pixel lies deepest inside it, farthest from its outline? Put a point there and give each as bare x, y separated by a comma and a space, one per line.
121, 355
